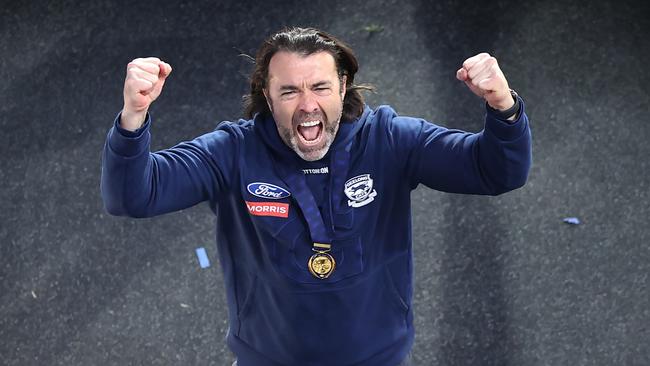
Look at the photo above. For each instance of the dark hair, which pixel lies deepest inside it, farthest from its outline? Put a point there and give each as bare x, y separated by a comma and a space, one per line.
305, 41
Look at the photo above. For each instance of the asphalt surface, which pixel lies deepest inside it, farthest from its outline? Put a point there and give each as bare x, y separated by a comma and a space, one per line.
499, 280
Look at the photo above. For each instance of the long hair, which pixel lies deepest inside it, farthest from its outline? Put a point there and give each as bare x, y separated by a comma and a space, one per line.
305, 41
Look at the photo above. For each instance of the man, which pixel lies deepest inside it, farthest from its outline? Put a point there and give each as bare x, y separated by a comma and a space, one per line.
312, 195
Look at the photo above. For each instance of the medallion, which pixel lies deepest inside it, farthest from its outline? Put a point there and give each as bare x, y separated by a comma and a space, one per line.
321, 264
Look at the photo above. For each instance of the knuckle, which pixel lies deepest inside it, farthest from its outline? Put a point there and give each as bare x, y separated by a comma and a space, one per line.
132, 73
129, 84
134, 65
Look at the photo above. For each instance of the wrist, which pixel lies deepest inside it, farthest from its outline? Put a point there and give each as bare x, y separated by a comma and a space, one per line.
506, 111
504, 103
131, 121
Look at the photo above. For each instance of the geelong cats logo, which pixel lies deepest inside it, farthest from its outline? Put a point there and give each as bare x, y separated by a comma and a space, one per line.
267, 190
359, 190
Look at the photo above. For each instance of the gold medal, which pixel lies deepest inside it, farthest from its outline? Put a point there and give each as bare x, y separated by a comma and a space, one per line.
321, 264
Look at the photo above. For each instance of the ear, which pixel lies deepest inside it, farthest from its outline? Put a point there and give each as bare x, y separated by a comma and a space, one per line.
268, 100
344, 80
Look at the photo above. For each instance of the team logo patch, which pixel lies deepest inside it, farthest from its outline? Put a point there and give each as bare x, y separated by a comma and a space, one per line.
276, 209
359, 190
267, 190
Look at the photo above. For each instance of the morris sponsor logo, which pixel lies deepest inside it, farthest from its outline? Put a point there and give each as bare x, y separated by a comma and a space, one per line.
267, 190
276, 209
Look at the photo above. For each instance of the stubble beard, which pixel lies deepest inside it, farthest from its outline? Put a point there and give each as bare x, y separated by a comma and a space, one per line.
330, 129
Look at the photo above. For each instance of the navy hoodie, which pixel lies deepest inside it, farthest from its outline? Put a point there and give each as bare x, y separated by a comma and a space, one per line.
279, 313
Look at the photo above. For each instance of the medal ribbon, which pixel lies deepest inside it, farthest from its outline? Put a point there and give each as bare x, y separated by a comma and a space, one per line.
297, 183
300, 191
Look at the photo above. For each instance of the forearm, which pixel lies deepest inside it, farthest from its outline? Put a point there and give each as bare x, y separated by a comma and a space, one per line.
138, 183
505, 153
126, 172
491, 162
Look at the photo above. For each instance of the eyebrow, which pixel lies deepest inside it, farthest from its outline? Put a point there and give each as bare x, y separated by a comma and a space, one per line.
288, 88
316, 85
321, 83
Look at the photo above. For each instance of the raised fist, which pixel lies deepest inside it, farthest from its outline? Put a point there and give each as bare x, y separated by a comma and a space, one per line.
144, 81
481, 73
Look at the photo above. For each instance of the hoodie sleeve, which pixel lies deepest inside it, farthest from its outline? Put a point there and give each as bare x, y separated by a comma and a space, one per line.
138, 183
493, 161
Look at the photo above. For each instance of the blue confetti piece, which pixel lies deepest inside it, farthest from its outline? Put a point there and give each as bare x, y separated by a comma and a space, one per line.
204, 262
572, 220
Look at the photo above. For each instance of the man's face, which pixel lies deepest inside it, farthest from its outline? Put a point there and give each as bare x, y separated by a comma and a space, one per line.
305, 96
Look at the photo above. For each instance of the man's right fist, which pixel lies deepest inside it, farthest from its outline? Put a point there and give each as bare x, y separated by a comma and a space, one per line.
144, 81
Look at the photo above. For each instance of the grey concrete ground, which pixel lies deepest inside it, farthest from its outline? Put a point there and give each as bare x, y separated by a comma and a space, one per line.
500, 280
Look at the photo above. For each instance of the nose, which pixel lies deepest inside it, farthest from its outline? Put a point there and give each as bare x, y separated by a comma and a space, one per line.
308, 102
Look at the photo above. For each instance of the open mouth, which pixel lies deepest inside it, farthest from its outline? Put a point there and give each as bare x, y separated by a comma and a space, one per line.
310, 132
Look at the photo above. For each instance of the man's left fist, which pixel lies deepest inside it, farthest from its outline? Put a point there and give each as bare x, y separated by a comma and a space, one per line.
483, 76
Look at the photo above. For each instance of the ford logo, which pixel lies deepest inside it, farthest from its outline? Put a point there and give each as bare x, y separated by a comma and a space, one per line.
267, 190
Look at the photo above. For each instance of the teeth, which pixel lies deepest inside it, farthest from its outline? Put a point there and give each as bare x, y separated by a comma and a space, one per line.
309, 123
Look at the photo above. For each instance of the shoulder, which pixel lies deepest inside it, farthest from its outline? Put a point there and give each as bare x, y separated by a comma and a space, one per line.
226, 135
380, 115
387, 119
233, 131
241, 127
